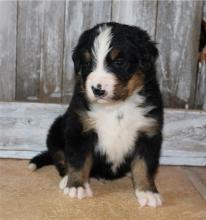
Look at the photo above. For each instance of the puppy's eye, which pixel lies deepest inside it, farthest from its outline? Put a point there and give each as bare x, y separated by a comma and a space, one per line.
118, 62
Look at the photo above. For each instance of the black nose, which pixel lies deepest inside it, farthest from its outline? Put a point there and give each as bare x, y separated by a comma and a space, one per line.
98, 91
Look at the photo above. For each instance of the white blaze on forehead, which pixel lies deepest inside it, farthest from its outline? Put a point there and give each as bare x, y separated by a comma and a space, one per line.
99, 75
101, 45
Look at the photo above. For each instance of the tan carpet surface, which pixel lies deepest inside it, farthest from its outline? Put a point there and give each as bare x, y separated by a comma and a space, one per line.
35, 195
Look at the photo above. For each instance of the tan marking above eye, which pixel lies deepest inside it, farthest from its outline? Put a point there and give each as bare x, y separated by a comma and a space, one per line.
87, 56
114, 54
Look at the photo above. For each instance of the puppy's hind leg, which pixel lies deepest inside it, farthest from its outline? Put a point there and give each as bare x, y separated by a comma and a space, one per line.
55, 145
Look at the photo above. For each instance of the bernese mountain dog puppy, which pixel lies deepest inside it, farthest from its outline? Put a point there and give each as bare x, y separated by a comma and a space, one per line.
113, 125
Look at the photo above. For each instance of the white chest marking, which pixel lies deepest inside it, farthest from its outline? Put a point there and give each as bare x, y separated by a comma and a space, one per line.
117, 127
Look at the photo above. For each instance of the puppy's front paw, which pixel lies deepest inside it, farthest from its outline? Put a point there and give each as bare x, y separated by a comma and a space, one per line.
63, 182
148, 198
75, 192
79, 192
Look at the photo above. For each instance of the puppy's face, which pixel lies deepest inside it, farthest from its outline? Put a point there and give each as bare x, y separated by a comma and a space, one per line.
112, 61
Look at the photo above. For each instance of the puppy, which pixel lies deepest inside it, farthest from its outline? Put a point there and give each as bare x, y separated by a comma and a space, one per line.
114, 121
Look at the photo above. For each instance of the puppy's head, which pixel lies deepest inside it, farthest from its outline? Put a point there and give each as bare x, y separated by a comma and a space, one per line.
114, 61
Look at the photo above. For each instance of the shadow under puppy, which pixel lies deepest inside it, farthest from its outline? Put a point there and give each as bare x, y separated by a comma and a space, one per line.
114, 122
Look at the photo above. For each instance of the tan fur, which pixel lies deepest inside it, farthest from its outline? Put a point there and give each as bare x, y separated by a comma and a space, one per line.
79, 177
87, 168
87, 122
123, 91
140, 176
87, 56
59, 157
151, 129
135, 82
120, 92
114, 54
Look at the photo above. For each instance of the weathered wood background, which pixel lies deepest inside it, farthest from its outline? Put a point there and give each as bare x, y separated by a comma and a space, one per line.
37, 37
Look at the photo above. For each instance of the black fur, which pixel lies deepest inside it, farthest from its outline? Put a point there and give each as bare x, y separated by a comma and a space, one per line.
42, 159
66, 135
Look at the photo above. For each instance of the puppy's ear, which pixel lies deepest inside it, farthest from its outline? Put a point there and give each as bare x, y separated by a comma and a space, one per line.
151, 52
147, 54
76, 60
146, 51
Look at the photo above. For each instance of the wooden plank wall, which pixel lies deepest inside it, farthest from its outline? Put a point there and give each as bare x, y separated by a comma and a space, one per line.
178, 36
37, 37
8, 14
28, 54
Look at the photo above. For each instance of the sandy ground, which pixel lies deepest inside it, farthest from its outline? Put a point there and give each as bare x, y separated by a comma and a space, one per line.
35, 195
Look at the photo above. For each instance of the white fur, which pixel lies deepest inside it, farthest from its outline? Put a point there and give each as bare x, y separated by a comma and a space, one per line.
99, 75
79, 192
32, 166
117, 126
148, 198
74, 192
87, 187
63, 182
107, 82
101, 46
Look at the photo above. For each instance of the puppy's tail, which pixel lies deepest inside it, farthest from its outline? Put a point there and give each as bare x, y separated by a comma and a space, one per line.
40, 160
